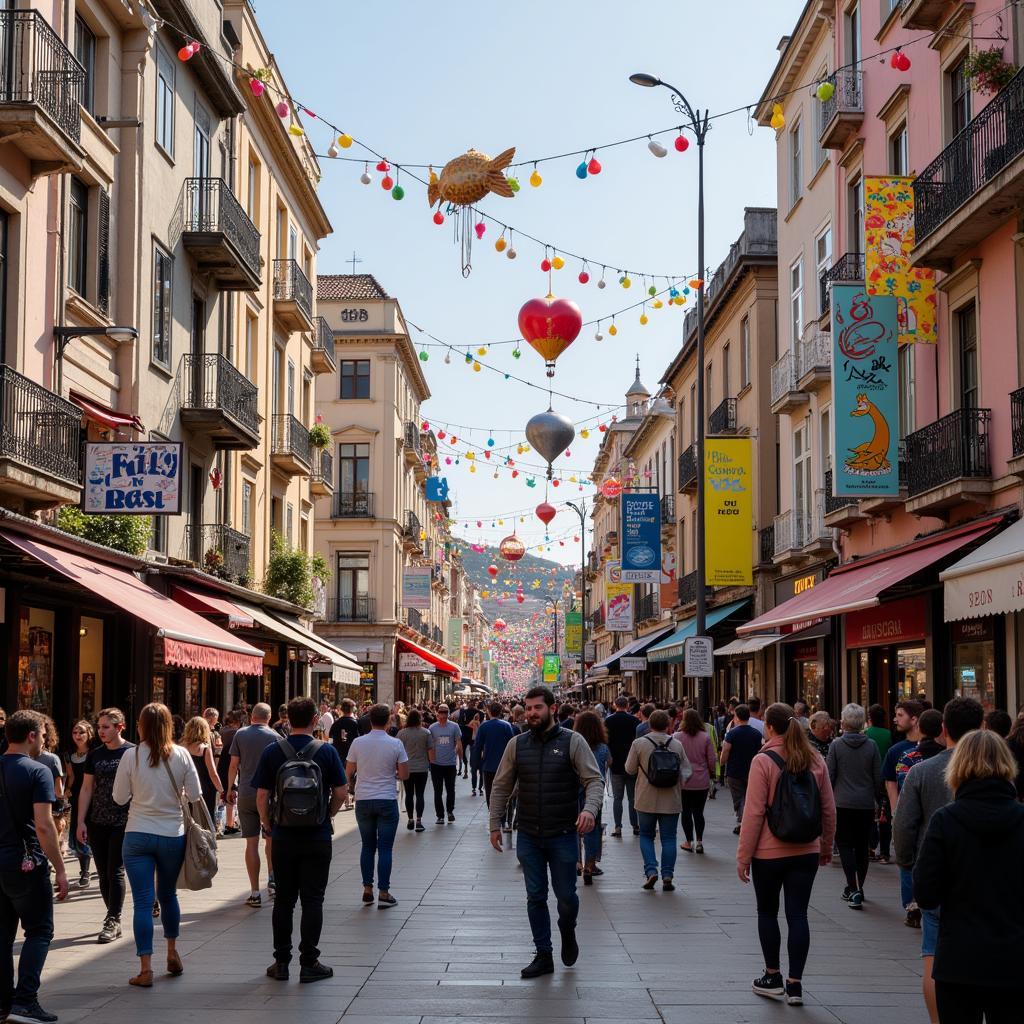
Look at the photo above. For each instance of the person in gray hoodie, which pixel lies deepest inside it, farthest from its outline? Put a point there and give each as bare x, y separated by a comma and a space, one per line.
855, 768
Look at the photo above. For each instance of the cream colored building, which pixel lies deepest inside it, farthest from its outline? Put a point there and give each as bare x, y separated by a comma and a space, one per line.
378, 521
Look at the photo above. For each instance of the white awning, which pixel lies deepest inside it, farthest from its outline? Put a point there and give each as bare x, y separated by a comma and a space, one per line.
748, 644
988, 581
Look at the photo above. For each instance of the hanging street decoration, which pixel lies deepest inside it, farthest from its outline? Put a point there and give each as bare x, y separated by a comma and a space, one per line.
545, 512
550, 433
550, 326
512, 548
468, 178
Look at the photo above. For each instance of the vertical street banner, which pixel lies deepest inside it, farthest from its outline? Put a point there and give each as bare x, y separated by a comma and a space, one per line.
416, 586
453, 641
888, 241
618, 615
729, 515
574, 632
552, 668
640, 538
865, 394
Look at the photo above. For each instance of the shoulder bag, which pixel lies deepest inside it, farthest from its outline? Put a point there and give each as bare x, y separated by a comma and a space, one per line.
199, 867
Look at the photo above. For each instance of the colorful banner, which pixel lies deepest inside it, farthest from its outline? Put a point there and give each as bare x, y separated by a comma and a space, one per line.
453, 640
574, 632
729, 520
552, 668
416, 586
618, 616
865, 394
641, 537
888, 242
132, 478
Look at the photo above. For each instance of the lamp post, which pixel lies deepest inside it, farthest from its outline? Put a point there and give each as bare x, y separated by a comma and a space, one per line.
698, 124
63, 335
581, 511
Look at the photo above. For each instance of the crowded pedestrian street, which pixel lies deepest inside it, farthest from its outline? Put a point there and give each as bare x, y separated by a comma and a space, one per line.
453, 947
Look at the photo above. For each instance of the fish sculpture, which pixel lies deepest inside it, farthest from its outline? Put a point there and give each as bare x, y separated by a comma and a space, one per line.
468, 178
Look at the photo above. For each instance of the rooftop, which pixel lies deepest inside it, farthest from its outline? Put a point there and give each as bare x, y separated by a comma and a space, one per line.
348, 286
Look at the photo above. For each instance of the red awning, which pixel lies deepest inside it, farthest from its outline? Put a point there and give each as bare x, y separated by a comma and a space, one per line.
105, 415
212, 605
190, 641
860, 584
436, 660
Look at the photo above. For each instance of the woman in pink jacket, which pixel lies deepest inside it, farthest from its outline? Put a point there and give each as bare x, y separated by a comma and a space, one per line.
700, 752
777, 866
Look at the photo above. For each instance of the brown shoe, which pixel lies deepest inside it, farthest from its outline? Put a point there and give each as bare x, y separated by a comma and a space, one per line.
144, 979
174, 965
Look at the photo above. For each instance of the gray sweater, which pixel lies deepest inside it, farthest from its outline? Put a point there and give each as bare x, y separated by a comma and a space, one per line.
924, 792
855, 768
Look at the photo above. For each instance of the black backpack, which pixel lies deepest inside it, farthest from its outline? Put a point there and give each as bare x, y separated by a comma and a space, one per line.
663, 766
794, 815
298, 799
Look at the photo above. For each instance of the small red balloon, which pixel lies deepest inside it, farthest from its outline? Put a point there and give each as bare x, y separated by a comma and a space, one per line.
584, 277
256, 87
439, 217
480, 228
282, 109
386, 183
545, 265
492, 571
185, 53
594, 167
383, 166
904, 62
682, 143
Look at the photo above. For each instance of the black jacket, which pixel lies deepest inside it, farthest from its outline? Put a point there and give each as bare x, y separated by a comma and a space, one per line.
971, 865
621, 732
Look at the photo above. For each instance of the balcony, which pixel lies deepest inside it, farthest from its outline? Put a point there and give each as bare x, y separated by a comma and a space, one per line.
647, 608
1016, 463
948, 463
790, 537
412, 443
219, 402
922, 13
411, 532
786, 396
687, 589
414, 620
321, 359
843, 113
222, 240
40, 444
815, 359
351, 609
597, 620
818, 535
321, 474
219, 550
293, 296
437, 635
688, 468
974, 184
41, 87
668, 510
881, 505
290, 449
841, 513
766, 545
848, 269
723, 419
353, 506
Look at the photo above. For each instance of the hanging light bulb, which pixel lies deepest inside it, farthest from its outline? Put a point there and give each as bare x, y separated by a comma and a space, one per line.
332, 151
344, 140
448, 358
365, 176
657, 148
535, 178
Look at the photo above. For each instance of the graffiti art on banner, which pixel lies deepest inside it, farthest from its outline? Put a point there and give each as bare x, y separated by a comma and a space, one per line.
888, 242
865, 394
729, 523
619, 610
132, 478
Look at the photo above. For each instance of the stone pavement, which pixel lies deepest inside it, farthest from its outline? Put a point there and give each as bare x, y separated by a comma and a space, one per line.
453, 947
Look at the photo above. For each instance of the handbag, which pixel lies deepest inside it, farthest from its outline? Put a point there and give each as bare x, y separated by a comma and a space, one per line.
199, 868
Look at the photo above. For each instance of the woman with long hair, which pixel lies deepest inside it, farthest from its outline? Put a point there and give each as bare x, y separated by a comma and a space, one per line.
590, 726
1016, 743
776, 865
151, 777
49, 756
197, 740
419, 746
74, 765
700, 752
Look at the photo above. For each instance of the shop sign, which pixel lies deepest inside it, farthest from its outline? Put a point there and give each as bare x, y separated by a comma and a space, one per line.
132, 478
409, 662
895, 622
552, 668
368, 674
793, 586
613, 572
574, 632
416, 586
590, 652
972, 632
633, 664
619, 607
641, 538
807, 651
729, 522
453, 647
699, 657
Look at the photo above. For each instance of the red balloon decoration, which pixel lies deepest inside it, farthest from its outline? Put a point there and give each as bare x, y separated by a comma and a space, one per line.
550, 326
545, 512
682, 143
520, 598
492, 571
512, 548
594, 167
499, 625
612, 487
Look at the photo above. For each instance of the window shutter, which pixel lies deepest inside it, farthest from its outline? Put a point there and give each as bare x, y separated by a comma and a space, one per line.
103, 248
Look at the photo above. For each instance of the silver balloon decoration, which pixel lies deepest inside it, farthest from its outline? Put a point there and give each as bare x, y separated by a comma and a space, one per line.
550, 433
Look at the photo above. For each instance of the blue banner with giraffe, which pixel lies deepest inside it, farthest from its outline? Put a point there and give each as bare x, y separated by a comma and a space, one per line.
865, 394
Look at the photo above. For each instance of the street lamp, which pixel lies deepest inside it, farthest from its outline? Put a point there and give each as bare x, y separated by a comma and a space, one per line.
581, 511
63, 336
698, 124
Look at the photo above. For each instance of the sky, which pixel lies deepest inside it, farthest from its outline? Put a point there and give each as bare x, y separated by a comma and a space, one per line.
424, 82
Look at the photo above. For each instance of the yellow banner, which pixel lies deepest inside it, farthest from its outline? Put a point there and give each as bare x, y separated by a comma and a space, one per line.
888, 241
729, 515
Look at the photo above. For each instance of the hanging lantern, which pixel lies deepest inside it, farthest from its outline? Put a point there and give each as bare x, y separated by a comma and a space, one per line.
512, 548
550, 433
545, 512
612, 487
550, 326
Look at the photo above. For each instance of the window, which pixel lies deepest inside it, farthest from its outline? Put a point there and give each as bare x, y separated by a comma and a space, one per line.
293, 243
354, 468
78, 237
289, 524
252, 201
802, 489
355, 378
855, 212
158, 538
825, 424
906, 385
745, 351
247, 491
853, 52
967, 355
304, 532
819, 153
164, 101
959, 97
796, 303
290, 405
275, 514
163, 275
85, 52
201, 143
251, 324
726, 392
353, 585
709, 390
3, 287
278, 378
693, 414
823, 262
796, 176
899, 161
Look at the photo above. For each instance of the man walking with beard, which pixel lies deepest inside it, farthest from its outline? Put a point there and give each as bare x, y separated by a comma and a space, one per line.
550, 764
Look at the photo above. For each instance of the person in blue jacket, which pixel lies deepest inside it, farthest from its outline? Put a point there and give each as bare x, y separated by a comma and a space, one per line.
491, 739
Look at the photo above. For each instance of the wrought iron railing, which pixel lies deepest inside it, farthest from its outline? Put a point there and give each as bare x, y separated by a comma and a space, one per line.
766, 543
209, 206
846, 270
437, 635
647, 607
817, 532
723, 418
987, 144
847, 97
352, 609
323, 338
219, 550
415, 620
668, 509
687, 467
354, 506
687, 588
37, 68
413, 437
210, 381
597, 619
1017, 421
290, 437
832, 503
783, 376
950, 448
413, 529
38, 429
291, 284
322, 470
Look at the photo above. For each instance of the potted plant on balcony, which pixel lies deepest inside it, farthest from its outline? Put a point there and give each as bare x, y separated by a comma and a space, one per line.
319, 436
213, 562
129, 534
987, 71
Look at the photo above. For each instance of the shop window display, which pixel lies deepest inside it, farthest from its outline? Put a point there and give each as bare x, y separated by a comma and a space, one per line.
35, 660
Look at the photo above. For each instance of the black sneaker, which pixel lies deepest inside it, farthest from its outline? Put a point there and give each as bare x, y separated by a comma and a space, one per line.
254, 900
847, 893
857, 900
542, 963
410, 824
386, 900
440, 821
570, 947
278, 971
31, 1014
451, 817
232, 830
794, 993
770, 985
315, 972
419, 826
636, 830
110, 931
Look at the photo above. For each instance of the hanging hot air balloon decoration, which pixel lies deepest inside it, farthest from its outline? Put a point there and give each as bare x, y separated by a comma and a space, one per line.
512, 548
550, 433
545, 512
550, 326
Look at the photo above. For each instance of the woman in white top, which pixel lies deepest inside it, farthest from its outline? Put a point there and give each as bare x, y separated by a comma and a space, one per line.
151, 776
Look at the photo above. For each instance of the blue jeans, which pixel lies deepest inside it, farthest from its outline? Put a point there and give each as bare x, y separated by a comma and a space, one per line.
929, 931
623, 784
906, 887
145, 855
378, 823
666, 825
25, 896
537, 856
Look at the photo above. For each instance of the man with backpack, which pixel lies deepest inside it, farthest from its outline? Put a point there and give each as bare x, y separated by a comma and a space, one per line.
300, 786
741, 743
660, 765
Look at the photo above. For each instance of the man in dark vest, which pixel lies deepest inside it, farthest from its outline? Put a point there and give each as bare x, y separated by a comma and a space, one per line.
550, 764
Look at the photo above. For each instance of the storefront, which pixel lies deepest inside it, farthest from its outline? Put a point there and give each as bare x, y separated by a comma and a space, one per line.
423, 675
746, 664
